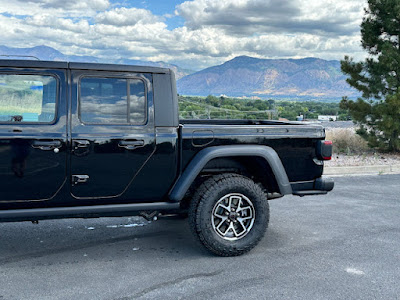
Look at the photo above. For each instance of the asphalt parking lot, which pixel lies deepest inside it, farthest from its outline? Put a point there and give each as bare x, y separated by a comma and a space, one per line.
345, 245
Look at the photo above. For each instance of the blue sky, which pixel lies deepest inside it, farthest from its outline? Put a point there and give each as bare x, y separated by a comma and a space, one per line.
192, 34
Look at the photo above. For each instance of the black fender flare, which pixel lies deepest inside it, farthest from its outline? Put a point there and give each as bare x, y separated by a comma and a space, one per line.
204, 156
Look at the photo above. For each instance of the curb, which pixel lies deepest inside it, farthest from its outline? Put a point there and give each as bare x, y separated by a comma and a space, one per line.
358, 170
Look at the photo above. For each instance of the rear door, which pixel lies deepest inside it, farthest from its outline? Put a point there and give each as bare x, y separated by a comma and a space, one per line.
32, 134
112, 131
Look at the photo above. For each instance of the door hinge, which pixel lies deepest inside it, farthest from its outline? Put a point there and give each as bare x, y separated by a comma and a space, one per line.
79, 179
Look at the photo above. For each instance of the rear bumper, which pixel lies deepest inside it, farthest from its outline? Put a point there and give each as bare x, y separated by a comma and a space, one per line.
319, 186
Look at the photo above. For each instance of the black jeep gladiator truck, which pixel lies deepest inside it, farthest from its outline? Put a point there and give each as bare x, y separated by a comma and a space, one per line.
97, 140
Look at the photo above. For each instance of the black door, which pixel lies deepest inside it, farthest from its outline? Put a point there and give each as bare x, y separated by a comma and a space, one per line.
32, 135
112, 132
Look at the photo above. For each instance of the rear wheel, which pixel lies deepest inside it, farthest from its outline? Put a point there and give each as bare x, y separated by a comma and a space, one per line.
229, 214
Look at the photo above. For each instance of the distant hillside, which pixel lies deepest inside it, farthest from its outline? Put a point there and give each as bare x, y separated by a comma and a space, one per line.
48, 53
43, 53
308, 78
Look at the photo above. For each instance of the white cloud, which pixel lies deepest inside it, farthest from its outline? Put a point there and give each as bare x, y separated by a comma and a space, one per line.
70, 8
126, 16
214, 31
68, 25
71, 4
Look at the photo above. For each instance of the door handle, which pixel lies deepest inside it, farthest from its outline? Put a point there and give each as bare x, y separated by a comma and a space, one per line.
46, 145
130, 145
80, 144
79, 179
80, 147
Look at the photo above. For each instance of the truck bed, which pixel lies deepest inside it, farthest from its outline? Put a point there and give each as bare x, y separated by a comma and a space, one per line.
294, 142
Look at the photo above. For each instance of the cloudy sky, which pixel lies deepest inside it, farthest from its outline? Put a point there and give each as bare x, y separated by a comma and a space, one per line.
192, 34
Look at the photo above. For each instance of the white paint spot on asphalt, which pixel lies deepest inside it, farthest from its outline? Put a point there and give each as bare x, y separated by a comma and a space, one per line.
85, 254
128, 225
135, 249
354, 271
133, 225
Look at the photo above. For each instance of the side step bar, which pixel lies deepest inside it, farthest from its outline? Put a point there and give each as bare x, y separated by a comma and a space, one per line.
95, 211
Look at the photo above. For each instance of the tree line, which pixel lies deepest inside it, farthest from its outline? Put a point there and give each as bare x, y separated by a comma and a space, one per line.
212, 107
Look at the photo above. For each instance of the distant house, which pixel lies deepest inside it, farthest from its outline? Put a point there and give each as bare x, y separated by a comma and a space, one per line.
323, 118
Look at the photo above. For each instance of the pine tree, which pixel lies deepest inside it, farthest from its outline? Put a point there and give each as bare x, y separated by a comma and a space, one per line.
377, 112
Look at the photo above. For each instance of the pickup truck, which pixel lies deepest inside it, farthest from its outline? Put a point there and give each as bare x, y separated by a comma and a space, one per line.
83, 140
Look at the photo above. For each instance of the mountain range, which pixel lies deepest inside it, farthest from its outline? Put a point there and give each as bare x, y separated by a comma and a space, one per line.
298, 79
307, 78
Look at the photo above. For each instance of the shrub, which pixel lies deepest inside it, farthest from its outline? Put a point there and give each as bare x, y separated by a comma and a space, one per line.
345, 140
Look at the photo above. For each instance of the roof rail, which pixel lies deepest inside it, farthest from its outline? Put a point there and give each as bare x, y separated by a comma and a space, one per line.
12, 55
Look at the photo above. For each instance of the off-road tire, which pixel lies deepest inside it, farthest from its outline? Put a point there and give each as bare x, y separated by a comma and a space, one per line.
206, 198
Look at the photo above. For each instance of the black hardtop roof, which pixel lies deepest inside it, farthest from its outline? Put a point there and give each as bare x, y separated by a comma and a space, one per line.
41, 64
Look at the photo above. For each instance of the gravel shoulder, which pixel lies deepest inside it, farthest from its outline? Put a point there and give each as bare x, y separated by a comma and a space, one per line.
367, 159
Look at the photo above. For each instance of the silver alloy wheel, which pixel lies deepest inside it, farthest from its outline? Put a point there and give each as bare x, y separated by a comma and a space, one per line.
233, 216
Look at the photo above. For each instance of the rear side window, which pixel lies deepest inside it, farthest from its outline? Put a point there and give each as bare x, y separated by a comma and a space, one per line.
27, 98
112, 101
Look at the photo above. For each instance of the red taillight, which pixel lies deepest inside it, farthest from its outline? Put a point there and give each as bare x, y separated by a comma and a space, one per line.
324, 150
327, 144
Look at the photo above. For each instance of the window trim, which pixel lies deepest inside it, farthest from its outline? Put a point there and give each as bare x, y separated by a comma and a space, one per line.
57, 98
128, 79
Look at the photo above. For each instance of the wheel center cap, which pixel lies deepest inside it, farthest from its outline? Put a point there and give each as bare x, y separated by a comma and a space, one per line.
232, 216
